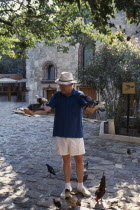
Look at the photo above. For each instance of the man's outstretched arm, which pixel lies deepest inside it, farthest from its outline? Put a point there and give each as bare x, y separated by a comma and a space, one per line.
46, 109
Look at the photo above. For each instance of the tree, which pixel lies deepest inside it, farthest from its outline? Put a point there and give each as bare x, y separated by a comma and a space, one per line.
23, 22
111, 66
10, 65
102, 10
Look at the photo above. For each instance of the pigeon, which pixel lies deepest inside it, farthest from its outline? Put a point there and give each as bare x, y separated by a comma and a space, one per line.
128, 151
57, 203
101, 189
71, 199
35, 107
50, 169
85, 176
90, 101
86, 165
41, 100
38, 106
93, 103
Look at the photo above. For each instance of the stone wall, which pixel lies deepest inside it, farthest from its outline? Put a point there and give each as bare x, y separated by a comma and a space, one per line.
130, 29
37, 57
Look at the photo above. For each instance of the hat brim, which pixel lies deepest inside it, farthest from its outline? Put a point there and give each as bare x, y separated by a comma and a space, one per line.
64, 82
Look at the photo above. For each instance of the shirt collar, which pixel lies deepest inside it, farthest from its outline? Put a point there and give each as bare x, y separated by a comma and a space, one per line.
74, 92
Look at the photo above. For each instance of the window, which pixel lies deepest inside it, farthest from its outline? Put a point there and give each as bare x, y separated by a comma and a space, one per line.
87, 54
50, 72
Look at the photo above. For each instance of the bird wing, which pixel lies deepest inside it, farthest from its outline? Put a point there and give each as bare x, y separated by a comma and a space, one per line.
102, 183
50, 169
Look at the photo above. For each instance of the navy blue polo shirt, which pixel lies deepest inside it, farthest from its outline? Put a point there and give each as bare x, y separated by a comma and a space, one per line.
68, 114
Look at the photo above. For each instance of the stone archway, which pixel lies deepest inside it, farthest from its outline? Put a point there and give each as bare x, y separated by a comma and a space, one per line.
49, 71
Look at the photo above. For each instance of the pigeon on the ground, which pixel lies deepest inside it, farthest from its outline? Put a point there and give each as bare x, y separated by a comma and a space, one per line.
130, 151
85, 176
71, 199
57, 203
50, 169
86, 165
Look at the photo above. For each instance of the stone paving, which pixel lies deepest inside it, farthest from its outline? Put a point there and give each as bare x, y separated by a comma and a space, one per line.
26, 145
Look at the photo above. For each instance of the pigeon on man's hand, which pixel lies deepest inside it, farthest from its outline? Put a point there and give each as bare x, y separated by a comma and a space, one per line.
90, 101
39, 105
41, 100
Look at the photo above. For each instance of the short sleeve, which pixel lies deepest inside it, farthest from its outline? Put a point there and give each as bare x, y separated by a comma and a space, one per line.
82, 102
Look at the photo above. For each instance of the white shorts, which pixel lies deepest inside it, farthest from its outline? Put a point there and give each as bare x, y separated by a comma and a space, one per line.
70, 146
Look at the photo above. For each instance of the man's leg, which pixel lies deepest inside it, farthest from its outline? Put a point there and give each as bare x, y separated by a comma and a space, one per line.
80, 172
79, 167
67, 173
67, 167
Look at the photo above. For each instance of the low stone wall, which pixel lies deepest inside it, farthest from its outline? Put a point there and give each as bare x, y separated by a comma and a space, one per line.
113, 137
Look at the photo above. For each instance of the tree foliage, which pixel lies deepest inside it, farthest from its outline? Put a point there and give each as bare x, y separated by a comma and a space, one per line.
10, 65
23, 22
101, 11
111, 66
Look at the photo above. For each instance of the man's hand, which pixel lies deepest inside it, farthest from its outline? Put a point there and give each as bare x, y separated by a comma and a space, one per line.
91, 109
46, 109
29, 112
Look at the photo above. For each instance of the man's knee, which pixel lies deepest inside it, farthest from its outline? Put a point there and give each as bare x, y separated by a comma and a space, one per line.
79, 159
66, 159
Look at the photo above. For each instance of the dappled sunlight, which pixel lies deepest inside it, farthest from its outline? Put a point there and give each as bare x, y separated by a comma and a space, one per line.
12, 187
128, 192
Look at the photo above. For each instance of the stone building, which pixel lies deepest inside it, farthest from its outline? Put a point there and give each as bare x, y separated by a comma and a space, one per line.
44, 64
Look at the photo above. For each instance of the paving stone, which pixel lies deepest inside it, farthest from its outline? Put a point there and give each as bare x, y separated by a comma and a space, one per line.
26, 145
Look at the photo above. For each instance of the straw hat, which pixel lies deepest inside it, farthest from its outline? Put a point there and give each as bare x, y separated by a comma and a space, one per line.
65, 78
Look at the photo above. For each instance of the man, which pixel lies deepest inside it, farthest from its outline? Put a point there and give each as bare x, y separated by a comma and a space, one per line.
68, 128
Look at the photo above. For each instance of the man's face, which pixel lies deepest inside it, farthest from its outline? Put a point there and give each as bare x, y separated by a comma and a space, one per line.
66, 89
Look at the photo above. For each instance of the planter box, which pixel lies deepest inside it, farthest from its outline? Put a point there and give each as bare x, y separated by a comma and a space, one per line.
104, 135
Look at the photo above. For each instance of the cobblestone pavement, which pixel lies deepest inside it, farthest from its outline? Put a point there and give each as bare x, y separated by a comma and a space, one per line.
26, 145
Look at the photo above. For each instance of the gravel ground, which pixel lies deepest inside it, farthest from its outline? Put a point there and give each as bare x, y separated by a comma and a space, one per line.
26, 145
